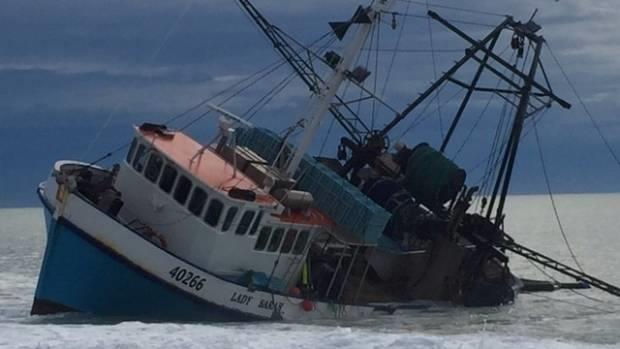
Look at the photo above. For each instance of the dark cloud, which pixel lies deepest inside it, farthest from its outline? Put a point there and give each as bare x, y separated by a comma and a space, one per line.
68, 67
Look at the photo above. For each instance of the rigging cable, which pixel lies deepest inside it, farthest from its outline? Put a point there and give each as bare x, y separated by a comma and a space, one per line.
267, 72
395, 13
506, 135
150, 61
454, 8
278, 63
424, 115
376, 76
550, 277
271, 94
370, 50
482, 113
585, 108
432, 47
555, 209
252, 83
395, 51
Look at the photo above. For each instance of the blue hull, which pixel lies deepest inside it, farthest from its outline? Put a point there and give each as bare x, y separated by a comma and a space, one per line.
80, 275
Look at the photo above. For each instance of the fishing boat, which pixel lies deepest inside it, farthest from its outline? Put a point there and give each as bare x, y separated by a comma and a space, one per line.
251, 226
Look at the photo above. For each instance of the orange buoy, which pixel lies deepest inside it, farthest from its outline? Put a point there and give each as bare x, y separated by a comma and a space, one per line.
307, 305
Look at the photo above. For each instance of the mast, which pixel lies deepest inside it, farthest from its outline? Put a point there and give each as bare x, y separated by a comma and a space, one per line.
322, 101
303, 66
517, 129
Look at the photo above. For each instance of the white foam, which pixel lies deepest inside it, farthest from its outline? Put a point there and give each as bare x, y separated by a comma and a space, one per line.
137, 335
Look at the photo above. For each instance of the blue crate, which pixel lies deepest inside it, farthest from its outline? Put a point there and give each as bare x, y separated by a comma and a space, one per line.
333, 195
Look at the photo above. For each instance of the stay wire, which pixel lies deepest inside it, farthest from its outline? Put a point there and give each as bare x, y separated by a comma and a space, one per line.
267, 98
370, 43
423, 115
482, 113
454, 8
278, 63
152, 58
584, 106
432, 47
376, 76
395, 51
252, 83
270, 69
506, 134
551, 198
594, 299
460, 21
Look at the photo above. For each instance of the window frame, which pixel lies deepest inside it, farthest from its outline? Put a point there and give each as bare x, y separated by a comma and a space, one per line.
219, 214
154, 155
228, 220
267, 230
175, 194
174, 180
192, 197
141, 153
249, 224
132, 151
256, 222
301, 233
290, 231
275, 232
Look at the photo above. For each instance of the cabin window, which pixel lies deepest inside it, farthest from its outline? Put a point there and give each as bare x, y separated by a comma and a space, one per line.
230, 216
138, 161
197, 202
263, 237
214, 212
132, 148
167, 178
276, 239
256, 223
182, 190
302, 240
289, 239
244, 222
153, 168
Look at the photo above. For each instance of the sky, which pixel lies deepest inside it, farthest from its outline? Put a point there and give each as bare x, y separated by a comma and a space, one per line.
75, 75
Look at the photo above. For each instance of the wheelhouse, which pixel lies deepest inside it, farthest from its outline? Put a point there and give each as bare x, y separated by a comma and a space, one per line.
211, 213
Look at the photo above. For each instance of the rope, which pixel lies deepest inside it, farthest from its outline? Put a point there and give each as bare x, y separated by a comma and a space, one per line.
585, 108
605, 311
555, 209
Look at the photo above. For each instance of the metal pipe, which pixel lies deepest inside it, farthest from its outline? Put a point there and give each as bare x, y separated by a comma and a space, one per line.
331, 282
346, 276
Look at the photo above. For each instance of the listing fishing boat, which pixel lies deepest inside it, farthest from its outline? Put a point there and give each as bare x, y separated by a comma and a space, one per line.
252, 227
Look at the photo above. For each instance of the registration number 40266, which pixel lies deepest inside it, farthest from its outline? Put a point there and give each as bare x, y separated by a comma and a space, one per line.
188, 278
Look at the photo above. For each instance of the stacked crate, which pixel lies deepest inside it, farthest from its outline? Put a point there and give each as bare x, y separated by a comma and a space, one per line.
333, 195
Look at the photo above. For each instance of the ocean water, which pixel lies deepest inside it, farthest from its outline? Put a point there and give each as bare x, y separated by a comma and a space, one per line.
563, 319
